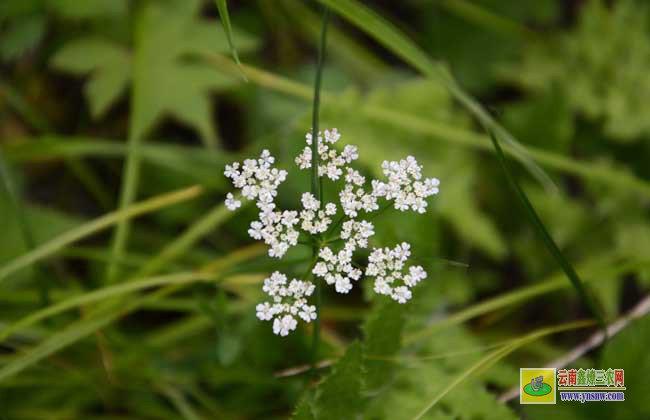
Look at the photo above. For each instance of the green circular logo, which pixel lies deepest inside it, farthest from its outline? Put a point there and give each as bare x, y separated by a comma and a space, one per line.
543, 390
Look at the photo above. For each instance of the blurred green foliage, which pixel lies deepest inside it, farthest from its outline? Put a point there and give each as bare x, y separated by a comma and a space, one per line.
568, 78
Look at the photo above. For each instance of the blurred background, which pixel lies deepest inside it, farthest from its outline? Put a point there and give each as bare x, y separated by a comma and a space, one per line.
87, 85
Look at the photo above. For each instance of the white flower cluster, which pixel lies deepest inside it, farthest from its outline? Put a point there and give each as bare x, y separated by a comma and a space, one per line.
353, 200
337, 269
314, 220
330, 162
405, 186
289, 301
259, 181
387, 266
277, 230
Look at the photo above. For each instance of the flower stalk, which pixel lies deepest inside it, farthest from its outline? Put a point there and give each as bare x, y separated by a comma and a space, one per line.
316, 181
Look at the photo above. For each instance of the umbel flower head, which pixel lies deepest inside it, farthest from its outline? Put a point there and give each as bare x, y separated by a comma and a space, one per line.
403, 188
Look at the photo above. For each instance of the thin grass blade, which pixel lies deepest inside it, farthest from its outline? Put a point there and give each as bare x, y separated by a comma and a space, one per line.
222, 5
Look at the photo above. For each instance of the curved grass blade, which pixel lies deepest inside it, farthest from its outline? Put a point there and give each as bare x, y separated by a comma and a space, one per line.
390, 37
105, 315
222, 5
550, 244
440, 131
605, 269
99, 295
97, 225
189, 237
497, 355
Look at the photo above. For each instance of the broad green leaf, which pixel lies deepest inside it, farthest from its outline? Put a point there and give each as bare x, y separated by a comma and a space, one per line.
383, 339
109, 66
168, 78
339, 396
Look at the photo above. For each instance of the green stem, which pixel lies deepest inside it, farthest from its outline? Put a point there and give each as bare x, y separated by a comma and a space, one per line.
316, 185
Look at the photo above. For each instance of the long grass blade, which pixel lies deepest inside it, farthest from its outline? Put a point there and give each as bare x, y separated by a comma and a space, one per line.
393, 39
441, 131
497, 355
606, 269
99, 295
222, 5
97, 225
104, 316
550, 244
23, 225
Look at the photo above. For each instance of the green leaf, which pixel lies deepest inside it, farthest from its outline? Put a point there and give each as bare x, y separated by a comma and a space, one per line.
168, 78
109, 66
383, 339
165, 81
339, 395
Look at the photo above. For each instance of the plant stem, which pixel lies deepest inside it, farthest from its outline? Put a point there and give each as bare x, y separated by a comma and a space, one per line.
316, 185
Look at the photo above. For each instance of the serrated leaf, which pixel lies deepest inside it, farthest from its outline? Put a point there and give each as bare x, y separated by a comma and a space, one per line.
383, 339
108, 63
339, 395
168, 77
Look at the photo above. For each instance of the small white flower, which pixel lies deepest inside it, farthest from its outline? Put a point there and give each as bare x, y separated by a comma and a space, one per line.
315, 221
330, 161
404, 186
308, 313
289, 300
231, 203
265, 311
320, 269
337, 269
357, 233
387, 266
283, 326
401, 294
